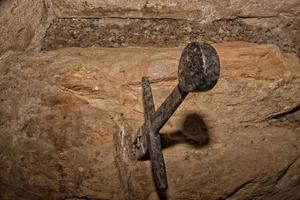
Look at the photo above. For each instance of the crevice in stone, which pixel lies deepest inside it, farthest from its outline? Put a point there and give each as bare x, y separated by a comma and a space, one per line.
287, 118
236, 190
285, 113
124, 18
285, 170
256, 17
267, 184
84, 198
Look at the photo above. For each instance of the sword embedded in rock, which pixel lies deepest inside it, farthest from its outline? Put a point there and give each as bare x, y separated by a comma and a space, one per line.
199, 70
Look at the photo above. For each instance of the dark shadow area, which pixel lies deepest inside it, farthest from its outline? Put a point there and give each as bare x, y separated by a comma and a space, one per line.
194, 132
162, 195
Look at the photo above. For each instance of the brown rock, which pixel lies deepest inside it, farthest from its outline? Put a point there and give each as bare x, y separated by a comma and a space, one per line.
178, 9
67, 116
55, 24
22, 24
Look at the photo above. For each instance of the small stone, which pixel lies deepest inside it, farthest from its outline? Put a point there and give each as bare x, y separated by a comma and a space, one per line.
96, 88
80, 169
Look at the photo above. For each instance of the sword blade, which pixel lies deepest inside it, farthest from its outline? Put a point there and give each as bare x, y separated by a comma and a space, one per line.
153, 138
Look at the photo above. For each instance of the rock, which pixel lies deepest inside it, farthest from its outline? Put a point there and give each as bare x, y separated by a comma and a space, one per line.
67, 117
55, 24
177, 9
23, 24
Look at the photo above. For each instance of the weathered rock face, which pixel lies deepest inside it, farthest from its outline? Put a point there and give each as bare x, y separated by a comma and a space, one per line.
55, 24
163, 23
67, 115
22, 24
184, 9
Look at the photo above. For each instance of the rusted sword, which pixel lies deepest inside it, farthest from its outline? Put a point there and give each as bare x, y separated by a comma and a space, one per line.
199, 70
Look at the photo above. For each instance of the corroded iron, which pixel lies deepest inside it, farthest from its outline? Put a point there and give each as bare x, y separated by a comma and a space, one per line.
153, 138
198, 70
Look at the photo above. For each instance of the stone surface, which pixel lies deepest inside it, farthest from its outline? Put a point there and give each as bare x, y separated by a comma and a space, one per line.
22, 24
178, 9
112, 32
55, 24
67, 116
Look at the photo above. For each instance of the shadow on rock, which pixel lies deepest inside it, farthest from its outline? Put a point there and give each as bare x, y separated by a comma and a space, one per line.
194, 132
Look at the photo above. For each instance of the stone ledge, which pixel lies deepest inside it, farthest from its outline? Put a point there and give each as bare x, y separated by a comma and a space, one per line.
25, 24
119, 32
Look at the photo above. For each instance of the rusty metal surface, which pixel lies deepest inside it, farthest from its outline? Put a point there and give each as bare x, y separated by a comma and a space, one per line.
159, 118
199, 67
153, 138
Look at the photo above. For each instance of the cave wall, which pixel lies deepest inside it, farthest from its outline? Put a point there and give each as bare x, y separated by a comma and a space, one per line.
54, 24
69, 108
67, 117
22, 24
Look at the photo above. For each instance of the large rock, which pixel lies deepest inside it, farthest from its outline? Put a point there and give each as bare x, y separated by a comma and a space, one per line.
67, 118
55, 24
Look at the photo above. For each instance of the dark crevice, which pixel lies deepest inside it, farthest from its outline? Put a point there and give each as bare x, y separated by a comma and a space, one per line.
236, 190
257, 17
285, 113
83, 198
125, 18
285, 170
266, 185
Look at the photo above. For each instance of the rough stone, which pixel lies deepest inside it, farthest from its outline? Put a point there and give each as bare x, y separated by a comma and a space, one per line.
77, 32
22, 24
54, 24
178, 9
66, 115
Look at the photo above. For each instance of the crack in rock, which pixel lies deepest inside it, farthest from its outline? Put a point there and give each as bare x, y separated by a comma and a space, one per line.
236, 190
286, 170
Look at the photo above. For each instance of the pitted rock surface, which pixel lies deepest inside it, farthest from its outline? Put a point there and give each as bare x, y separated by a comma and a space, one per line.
54, 24
63, 115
